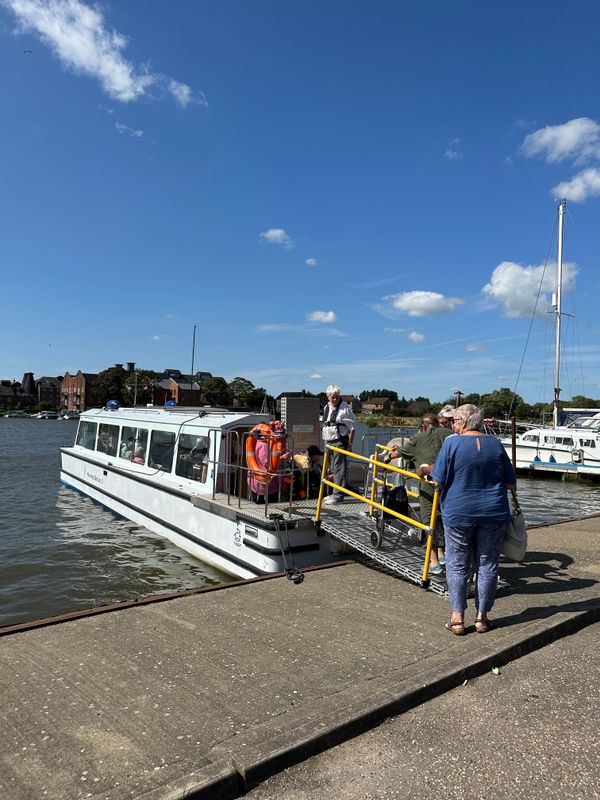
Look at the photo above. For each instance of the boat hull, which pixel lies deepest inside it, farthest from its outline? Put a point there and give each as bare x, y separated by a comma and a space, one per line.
237, 546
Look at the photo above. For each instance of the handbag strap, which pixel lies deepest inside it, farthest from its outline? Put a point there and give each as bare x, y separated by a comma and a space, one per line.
515, 502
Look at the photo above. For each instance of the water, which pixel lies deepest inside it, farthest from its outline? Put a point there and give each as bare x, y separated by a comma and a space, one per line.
60, 552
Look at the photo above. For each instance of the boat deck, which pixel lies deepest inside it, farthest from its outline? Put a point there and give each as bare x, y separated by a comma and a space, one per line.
348, 523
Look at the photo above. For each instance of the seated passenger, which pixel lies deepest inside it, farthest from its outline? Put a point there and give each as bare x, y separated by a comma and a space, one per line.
127, 448
139, 454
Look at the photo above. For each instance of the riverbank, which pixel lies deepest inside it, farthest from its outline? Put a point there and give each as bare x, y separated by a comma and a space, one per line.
214, 692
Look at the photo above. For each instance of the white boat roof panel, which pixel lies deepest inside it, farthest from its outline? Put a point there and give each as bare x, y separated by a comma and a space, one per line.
176, 415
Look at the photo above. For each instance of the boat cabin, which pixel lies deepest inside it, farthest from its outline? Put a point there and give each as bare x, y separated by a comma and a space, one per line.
197, 449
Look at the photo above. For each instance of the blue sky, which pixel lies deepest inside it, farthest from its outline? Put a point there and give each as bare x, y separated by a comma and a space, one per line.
358, 193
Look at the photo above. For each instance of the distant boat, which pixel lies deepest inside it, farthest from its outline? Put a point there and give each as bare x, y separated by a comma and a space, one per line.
47, 415
572, 449
17, 415
70, 415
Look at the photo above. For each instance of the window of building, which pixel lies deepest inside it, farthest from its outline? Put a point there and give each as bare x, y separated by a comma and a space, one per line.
162, 448
108, 439
192, 457
86, 435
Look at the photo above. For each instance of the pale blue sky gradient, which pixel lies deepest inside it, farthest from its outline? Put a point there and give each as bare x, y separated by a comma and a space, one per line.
283, 175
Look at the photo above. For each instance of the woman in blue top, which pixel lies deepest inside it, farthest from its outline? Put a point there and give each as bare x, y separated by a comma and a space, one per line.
473, 473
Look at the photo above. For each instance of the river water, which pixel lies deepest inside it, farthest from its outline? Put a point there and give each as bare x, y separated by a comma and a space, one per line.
61, 552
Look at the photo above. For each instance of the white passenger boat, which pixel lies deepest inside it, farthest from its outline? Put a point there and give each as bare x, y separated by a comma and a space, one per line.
179, 472
565, 450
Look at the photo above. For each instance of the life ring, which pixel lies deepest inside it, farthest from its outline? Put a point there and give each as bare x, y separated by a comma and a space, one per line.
276, 448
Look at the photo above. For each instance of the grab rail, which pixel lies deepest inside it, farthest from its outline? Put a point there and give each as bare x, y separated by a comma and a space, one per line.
373, 504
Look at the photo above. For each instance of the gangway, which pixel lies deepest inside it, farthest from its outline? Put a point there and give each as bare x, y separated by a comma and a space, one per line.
399, 552
370, 532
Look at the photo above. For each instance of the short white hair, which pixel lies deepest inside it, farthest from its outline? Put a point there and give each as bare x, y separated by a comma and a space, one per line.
332, 389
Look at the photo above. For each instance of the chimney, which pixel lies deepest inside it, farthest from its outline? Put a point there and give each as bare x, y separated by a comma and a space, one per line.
131, 366
119, 366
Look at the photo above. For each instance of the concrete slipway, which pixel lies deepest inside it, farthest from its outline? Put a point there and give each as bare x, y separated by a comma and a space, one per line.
207, 694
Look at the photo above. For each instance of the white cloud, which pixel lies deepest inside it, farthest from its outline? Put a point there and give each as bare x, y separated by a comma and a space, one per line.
78, 36
418, 304
416, 337
452, 153
316, 376
515, 287
577, 140
311, 262
393, 330
326, 317
581, 186
307, 329
129, 131
156, 338
277, 236
474, 348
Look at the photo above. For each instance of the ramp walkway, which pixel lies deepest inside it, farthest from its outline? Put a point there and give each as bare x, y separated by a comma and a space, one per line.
397, 552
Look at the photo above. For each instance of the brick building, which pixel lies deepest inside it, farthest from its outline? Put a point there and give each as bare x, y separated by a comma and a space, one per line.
48, 390
77, 391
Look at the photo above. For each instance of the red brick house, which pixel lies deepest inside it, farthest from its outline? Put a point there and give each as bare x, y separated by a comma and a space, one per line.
77, 391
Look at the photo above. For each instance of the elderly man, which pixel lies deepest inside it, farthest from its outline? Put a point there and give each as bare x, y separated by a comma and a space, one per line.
423, 448
338, 430
445, 416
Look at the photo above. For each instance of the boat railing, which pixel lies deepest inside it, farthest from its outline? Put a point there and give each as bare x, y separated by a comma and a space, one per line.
372, 499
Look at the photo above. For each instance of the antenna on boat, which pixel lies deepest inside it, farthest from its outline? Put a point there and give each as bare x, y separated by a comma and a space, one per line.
558, 310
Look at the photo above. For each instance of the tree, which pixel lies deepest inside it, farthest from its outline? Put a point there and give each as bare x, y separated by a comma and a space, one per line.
138, 386
110, 386
241, 389
366, 395
499, 402
217, 391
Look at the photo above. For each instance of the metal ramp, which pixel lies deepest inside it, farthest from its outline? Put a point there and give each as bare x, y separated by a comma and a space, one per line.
397, 553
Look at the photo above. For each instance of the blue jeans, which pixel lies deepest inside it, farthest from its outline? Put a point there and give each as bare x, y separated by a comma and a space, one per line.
481, 544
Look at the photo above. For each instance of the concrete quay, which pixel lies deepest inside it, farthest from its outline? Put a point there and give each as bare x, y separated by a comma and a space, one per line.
209, 694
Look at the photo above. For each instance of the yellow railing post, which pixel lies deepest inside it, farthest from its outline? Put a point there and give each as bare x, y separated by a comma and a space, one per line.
373, 484
322, 486
432, 520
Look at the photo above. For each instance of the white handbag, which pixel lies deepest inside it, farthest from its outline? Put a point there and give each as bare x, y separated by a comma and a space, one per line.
514, 545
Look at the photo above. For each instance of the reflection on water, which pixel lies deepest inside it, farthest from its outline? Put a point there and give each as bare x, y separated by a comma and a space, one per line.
60, 551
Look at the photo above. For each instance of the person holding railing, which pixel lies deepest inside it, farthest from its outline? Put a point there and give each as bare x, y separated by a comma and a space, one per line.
422, 448
338, 430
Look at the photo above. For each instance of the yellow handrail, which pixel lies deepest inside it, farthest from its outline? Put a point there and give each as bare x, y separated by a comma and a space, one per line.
373, 504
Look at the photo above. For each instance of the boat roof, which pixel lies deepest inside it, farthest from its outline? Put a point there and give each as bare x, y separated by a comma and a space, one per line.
176, 415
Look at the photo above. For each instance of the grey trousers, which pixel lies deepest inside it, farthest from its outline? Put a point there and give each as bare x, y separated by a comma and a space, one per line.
339, 465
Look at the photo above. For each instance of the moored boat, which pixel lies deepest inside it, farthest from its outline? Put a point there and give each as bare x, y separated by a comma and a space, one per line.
179, 472
564, 450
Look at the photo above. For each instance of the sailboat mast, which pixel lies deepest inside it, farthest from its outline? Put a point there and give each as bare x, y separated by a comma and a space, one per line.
558, 309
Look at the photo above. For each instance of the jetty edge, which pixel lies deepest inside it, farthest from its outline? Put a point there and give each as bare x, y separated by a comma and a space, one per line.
208, 694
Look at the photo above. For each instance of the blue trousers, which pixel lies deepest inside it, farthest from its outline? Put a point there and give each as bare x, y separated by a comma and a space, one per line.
481, 544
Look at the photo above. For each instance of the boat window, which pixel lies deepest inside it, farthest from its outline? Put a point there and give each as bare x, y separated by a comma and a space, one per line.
531, 438
162, 447
86, 435
587, 443
108, 439
134, 443
127, 442
192, 457
550, 439
564, 440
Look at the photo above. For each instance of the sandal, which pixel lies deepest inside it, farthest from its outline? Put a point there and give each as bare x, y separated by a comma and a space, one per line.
457, 628
484, 625
437, 570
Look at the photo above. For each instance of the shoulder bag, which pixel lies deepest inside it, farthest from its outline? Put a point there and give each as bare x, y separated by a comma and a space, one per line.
515, 538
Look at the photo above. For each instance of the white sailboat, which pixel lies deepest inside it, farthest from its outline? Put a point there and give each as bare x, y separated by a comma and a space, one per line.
572, 449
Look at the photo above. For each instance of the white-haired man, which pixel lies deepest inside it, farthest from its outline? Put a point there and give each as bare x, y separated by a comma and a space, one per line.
338, 430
